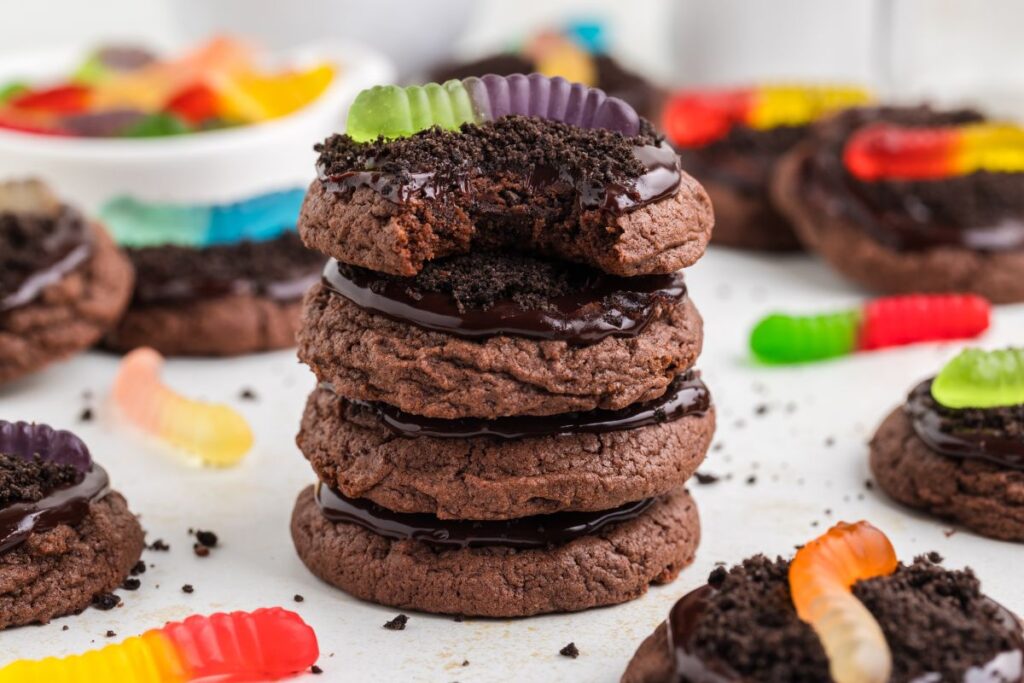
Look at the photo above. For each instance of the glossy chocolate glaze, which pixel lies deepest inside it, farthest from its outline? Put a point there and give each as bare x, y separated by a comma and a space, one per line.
540, 531
1006, 667
68, 505
606, 305
67, 248
825, 181
947, 431
660, 179
687, 395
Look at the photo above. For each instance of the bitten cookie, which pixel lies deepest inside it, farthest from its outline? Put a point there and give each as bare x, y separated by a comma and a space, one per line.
63, 282
222, 300
609, 195
546, 572
731, 140
609, 342
898, 622
964, 463
65, 537
511, 467
893, 226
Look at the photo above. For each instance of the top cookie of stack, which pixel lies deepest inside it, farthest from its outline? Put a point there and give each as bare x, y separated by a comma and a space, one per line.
505, 350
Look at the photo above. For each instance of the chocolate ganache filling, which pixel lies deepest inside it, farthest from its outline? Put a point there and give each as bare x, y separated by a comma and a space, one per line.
281, 269
539, 531
480, 295
48, 479
980, 211
776, 643
38, 250
604, 170
686, 396
992, 434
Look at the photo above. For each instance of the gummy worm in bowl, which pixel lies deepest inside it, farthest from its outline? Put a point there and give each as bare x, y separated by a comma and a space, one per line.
820, 580
214, 432
981, 379
880, 323
265, 644
390, 111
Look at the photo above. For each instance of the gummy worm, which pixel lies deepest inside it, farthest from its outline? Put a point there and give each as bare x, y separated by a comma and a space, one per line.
885, 150
695, 118
881, 323
981, 379
214, 432
391, 111
266, 644
820, 578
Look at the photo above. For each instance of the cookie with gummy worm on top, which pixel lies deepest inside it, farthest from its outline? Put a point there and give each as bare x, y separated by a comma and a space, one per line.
955, 448
731, 140
844, 609
63, 281
65, 536
911, 199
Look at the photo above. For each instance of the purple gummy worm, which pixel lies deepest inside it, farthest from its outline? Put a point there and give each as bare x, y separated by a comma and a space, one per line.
25, 439
555, 99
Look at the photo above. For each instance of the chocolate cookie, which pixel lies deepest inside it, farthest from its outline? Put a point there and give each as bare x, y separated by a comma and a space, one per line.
512, 467
984, 495
63, 282
372, 357
958, 233
221, 300
742, 626
736, 171
590, 196
65, 537
613, 564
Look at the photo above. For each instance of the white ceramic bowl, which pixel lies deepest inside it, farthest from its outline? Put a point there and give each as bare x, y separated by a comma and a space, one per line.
210, 167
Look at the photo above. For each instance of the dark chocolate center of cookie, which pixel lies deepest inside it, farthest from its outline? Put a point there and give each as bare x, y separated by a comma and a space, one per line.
992, 434
686, 396
530, 165
37, 251
980, 211
480, 295
744, 159
281, 269
938, 625
540, 531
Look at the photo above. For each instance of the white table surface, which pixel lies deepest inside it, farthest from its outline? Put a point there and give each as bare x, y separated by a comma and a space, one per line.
798, 478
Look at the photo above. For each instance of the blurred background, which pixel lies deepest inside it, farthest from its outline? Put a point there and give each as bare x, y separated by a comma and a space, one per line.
940, 49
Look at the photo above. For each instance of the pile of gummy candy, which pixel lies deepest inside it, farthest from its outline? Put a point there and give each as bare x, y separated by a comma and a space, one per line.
131, 92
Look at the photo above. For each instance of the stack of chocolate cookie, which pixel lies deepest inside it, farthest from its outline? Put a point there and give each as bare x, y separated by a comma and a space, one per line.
508, 409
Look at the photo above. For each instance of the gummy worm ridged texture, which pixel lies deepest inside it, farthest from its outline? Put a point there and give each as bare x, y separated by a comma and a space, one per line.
391, 111
820, 578
266, 644
26, 439
782, 338
214, 432
981, 379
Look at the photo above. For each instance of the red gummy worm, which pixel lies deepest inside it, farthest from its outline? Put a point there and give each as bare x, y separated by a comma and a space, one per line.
696, 118
265, 644
898, 320
887, 151
63, 99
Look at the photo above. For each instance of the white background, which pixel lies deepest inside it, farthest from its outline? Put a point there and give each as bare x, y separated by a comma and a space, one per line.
798, 477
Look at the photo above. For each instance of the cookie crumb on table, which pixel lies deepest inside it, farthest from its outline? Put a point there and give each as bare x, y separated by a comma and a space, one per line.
106, 601
397, 624
188, 588
570, 651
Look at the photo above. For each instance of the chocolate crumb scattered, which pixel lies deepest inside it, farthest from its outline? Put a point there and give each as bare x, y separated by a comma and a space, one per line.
298, 598
188, 588
751, 480
207, 538
465, 662
706, 478
570, 651
64, 627
131, 584
761, 409
247, 394
105, 601
200, 550
397, 624
315, 670
868, 484
110, 634
159, 546
139, 568
86, 415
